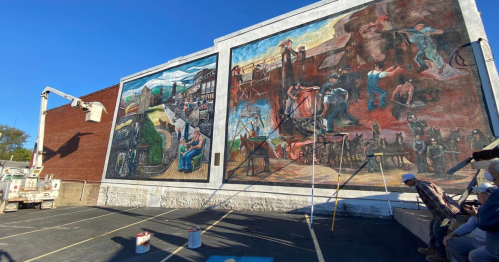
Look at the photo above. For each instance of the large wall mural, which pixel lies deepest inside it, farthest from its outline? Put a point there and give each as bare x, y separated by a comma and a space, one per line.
379, 73
164, 125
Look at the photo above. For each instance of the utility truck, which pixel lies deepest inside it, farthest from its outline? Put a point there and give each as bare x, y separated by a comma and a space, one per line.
23, 189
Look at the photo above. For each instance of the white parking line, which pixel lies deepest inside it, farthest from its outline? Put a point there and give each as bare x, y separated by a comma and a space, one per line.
316, 243
91, 209
34, 231
107, 233
204, 231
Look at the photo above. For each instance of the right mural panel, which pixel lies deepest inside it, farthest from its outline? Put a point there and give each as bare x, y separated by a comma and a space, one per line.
388, 75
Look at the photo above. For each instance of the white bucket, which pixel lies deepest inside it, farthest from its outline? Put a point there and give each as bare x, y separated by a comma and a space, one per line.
143, 243
194, 237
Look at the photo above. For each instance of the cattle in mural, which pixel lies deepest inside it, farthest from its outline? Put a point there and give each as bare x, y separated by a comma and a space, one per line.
164, 125
379, 73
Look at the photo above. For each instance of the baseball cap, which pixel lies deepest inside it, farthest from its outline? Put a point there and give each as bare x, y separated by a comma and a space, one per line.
485, 188
406, 177
488, 176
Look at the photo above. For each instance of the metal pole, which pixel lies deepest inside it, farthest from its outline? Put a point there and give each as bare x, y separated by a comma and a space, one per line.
313, 165
338, 186
386, 189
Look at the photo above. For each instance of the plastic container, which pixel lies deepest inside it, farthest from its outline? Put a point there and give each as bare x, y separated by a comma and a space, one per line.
143, 243
194, 237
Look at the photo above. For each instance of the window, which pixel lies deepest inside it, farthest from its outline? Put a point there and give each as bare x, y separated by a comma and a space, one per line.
213, 86
209, 85
203, 90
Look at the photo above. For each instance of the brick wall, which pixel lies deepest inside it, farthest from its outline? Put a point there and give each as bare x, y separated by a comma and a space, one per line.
76, 149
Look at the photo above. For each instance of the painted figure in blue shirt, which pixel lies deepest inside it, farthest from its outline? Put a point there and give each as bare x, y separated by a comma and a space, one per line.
421, 35
373, 79
336, 99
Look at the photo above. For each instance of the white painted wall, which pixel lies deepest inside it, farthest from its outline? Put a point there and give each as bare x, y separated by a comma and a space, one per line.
218, 195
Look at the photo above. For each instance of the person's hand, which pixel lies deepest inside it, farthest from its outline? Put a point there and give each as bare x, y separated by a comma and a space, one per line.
447, 238
470, 210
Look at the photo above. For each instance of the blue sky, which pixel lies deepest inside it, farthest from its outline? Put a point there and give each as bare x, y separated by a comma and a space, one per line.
184, 73
248, 52
80, 47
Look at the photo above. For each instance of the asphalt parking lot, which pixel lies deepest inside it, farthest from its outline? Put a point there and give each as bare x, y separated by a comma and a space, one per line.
108, 234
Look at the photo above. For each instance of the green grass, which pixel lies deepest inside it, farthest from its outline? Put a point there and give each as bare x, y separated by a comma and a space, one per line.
235, 147
151, 136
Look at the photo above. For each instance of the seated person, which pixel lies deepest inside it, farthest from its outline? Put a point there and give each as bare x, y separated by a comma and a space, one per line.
182, 146
458, 245
185, 161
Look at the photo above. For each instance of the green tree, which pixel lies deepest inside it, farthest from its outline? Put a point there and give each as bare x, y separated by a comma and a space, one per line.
11, 143
22, 154
151, 137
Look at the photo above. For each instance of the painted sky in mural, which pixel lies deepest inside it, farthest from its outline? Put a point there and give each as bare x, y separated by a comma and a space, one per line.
379, 74
164, 125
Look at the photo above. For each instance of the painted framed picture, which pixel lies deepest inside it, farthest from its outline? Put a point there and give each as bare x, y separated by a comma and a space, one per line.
383, 74
164, 125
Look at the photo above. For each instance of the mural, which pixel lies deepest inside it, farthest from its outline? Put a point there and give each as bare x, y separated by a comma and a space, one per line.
379, 73
164, 125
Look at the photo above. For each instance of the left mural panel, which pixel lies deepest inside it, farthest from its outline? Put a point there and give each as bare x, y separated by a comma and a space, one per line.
164, 125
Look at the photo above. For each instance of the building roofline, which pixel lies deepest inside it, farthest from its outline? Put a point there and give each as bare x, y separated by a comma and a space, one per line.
210, 50
93, 93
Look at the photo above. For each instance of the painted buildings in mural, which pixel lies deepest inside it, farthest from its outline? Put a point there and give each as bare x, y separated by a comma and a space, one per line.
164, 124
379, 73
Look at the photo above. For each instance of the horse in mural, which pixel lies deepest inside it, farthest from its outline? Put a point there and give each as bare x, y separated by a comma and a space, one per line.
398, 150
383, 148
356, 148
335, 152
255, 149
451, 146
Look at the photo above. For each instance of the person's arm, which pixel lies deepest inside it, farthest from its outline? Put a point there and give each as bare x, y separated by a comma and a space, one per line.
405, 32
424, 146
432, 31
390, 69
466, 228
393, 71
395, 92
431, 191
409, 100
346, 96
307, 88
441, 153
201, 141
289, 93
414, 146
325, 110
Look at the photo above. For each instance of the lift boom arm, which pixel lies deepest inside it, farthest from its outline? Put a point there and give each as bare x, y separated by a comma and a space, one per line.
75, 102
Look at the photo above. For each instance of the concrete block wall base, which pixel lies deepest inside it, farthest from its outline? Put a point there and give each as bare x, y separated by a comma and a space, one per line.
417, 221
112, 195
70, 194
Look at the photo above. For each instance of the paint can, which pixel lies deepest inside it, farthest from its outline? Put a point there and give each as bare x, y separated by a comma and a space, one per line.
143, 243
194, 237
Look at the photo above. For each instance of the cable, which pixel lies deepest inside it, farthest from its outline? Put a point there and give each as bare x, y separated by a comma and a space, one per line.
459, 59
268, 136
